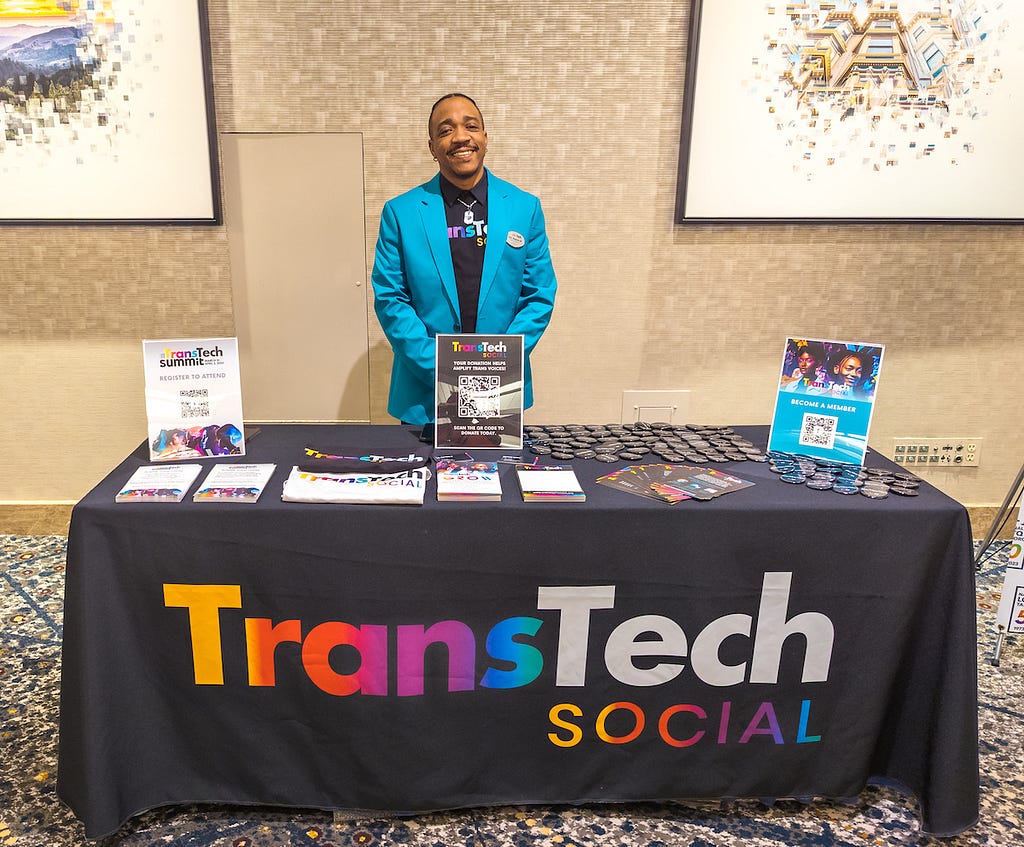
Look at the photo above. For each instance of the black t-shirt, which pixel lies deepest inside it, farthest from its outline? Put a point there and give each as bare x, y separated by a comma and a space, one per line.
466, 211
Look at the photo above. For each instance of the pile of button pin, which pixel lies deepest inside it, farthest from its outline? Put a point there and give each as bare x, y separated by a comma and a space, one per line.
825, 475
634, 442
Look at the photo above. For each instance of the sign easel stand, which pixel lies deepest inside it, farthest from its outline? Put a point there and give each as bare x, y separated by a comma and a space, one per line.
1008, 505
1004, 511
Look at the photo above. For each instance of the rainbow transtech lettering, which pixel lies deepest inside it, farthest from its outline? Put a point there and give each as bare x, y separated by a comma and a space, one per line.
658, 642
482, 347
575, 605
477, 230
190, 358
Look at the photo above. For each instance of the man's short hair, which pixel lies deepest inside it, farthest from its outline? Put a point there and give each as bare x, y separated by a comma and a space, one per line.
440, 100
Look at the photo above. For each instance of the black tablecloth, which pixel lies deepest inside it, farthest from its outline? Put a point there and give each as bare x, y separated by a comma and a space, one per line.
773, 642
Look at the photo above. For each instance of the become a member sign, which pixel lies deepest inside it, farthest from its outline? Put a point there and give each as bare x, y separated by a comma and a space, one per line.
479, 391
825, 399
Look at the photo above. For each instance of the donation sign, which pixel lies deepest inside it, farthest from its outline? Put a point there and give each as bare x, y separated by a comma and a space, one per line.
479, 391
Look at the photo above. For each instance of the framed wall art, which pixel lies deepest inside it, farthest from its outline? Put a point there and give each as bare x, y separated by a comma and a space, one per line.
853, 110
106, 113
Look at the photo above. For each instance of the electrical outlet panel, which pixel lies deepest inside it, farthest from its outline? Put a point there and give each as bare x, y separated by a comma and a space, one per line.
650, 406
934, 453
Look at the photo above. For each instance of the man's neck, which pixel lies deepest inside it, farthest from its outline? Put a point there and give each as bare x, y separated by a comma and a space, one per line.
467, 183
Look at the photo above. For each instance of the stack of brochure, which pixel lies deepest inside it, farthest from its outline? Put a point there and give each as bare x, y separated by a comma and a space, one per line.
158, 484
405, 488
673, 483
234, 483
467, 480
549, 484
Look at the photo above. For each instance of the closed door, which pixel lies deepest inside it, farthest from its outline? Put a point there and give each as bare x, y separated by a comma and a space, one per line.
296, 232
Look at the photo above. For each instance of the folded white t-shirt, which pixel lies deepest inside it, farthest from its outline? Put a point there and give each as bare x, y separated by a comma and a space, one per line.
405, 488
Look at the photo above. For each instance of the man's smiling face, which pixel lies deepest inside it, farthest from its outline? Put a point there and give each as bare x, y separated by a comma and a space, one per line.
458, 141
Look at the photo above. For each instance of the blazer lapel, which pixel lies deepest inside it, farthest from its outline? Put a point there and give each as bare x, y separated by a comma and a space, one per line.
497, 228
435, 230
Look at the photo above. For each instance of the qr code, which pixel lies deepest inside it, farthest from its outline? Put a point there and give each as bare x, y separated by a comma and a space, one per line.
195, 410
194, 392
479, 396
818, 431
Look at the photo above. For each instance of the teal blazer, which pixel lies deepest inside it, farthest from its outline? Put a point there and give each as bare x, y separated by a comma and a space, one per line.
415, 297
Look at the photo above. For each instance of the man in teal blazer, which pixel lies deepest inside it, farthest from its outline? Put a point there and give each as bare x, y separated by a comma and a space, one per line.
416, 289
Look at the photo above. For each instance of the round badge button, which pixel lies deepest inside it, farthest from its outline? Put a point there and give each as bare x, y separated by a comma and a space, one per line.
904, 492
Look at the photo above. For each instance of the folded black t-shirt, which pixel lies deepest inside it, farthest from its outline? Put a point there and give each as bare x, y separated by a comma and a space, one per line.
364, 459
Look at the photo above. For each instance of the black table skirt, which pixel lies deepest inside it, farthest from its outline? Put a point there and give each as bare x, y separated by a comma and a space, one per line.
774, 642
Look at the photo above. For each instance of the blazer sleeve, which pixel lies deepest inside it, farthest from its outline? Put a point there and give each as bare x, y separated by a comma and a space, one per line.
392, 301
537, 296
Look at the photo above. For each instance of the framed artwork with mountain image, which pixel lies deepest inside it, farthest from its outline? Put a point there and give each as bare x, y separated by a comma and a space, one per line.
106, 113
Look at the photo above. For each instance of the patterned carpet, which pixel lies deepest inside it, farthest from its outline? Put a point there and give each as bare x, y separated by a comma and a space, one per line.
31, 594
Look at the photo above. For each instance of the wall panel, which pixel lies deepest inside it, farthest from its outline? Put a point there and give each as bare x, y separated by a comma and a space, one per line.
583, 106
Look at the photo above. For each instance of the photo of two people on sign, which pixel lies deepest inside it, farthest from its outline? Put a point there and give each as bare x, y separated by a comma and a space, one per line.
831, 368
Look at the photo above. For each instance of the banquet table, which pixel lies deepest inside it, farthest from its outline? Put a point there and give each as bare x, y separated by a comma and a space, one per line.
773, 642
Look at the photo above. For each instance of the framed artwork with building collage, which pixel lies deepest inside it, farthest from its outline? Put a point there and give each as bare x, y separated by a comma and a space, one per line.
852, 110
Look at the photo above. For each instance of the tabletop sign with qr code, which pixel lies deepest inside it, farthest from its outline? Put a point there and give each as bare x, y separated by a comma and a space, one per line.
825, 398
479, 391
193, 398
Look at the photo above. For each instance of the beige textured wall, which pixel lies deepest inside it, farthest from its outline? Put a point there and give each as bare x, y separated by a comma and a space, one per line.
583, 104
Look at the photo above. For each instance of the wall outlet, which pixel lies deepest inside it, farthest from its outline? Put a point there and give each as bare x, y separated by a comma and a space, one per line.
655, 406
929, 453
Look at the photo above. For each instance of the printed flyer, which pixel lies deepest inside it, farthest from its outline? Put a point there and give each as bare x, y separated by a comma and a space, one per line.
158, 483
193, 398
825, 399
1011, 604
479, 391
234, 483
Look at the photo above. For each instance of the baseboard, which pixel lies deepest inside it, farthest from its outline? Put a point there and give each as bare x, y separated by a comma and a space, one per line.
39, 518
981, 521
